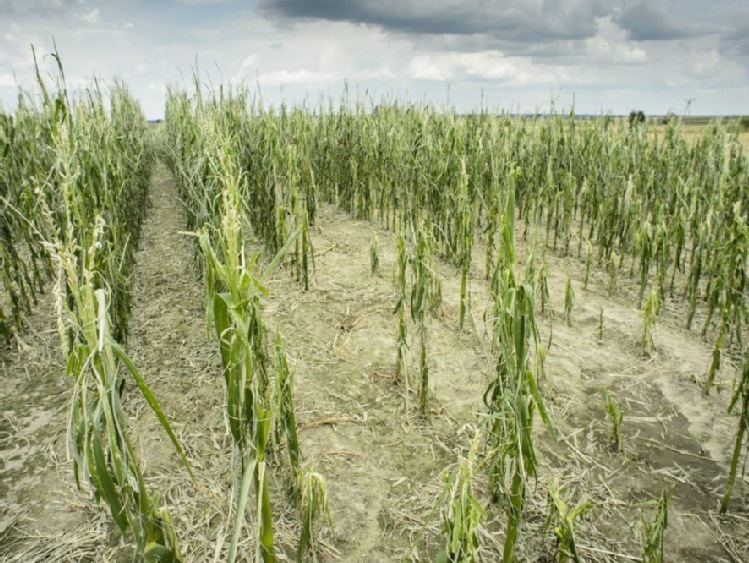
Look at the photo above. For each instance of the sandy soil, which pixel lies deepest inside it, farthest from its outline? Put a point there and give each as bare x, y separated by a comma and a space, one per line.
358, 428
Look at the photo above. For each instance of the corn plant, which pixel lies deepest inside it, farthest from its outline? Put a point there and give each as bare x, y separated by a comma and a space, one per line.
600, 325
727, 293
692, 290
588, 261
653, 531
616, 420
285, 415
22, 278
716, 360
543, 286
494, 212
569, 301
462, 513
84, 156
306, 250
236, 314
296, 200
614, 264
649, 318
513, 397
464, 239
426, 294
314, 508
401, 263
562, 518
741, 399
374, 255
86, 218
98, 439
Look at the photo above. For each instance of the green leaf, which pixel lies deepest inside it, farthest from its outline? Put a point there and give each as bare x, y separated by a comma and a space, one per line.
107, 487
157, 553
279, 255
154, 404
539, 401
222, 322
76, 360
235, 391
244, 494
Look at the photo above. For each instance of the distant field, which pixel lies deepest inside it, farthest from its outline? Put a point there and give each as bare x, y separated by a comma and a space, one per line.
694, 126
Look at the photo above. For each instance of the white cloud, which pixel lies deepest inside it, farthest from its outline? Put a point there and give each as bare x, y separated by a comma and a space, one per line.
610, 45
488, 65
426, 68
7, 80
301, 76
484, 66
706, 63
318, 78
91, 17
249, 62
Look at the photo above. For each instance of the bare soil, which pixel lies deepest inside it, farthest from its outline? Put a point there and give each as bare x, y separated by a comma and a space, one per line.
383, 463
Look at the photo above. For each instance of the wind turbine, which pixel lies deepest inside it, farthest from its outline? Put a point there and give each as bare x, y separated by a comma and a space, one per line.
688, 106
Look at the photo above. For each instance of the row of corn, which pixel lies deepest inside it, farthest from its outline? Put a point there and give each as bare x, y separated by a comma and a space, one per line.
202, 148
74, 177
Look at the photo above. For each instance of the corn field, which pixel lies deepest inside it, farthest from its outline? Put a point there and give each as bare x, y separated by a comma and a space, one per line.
389, 297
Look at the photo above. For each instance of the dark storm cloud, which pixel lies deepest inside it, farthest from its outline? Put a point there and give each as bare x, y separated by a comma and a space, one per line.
509, 20
646, 21
736, 40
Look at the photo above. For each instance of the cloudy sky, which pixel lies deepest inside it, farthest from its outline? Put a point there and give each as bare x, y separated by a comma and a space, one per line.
518, 55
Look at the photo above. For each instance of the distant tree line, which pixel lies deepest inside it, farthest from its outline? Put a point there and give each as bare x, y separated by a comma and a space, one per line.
636, 117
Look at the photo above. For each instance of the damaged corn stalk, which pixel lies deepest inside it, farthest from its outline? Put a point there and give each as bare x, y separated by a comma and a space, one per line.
98, 440
314, 504
102, 169
740, 399
563, 518
426, 295
513, 397
461, 512
234, 285
285, 415
401, 354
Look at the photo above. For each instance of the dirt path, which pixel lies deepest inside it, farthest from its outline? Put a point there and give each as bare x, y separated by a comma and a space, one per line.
169, 343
